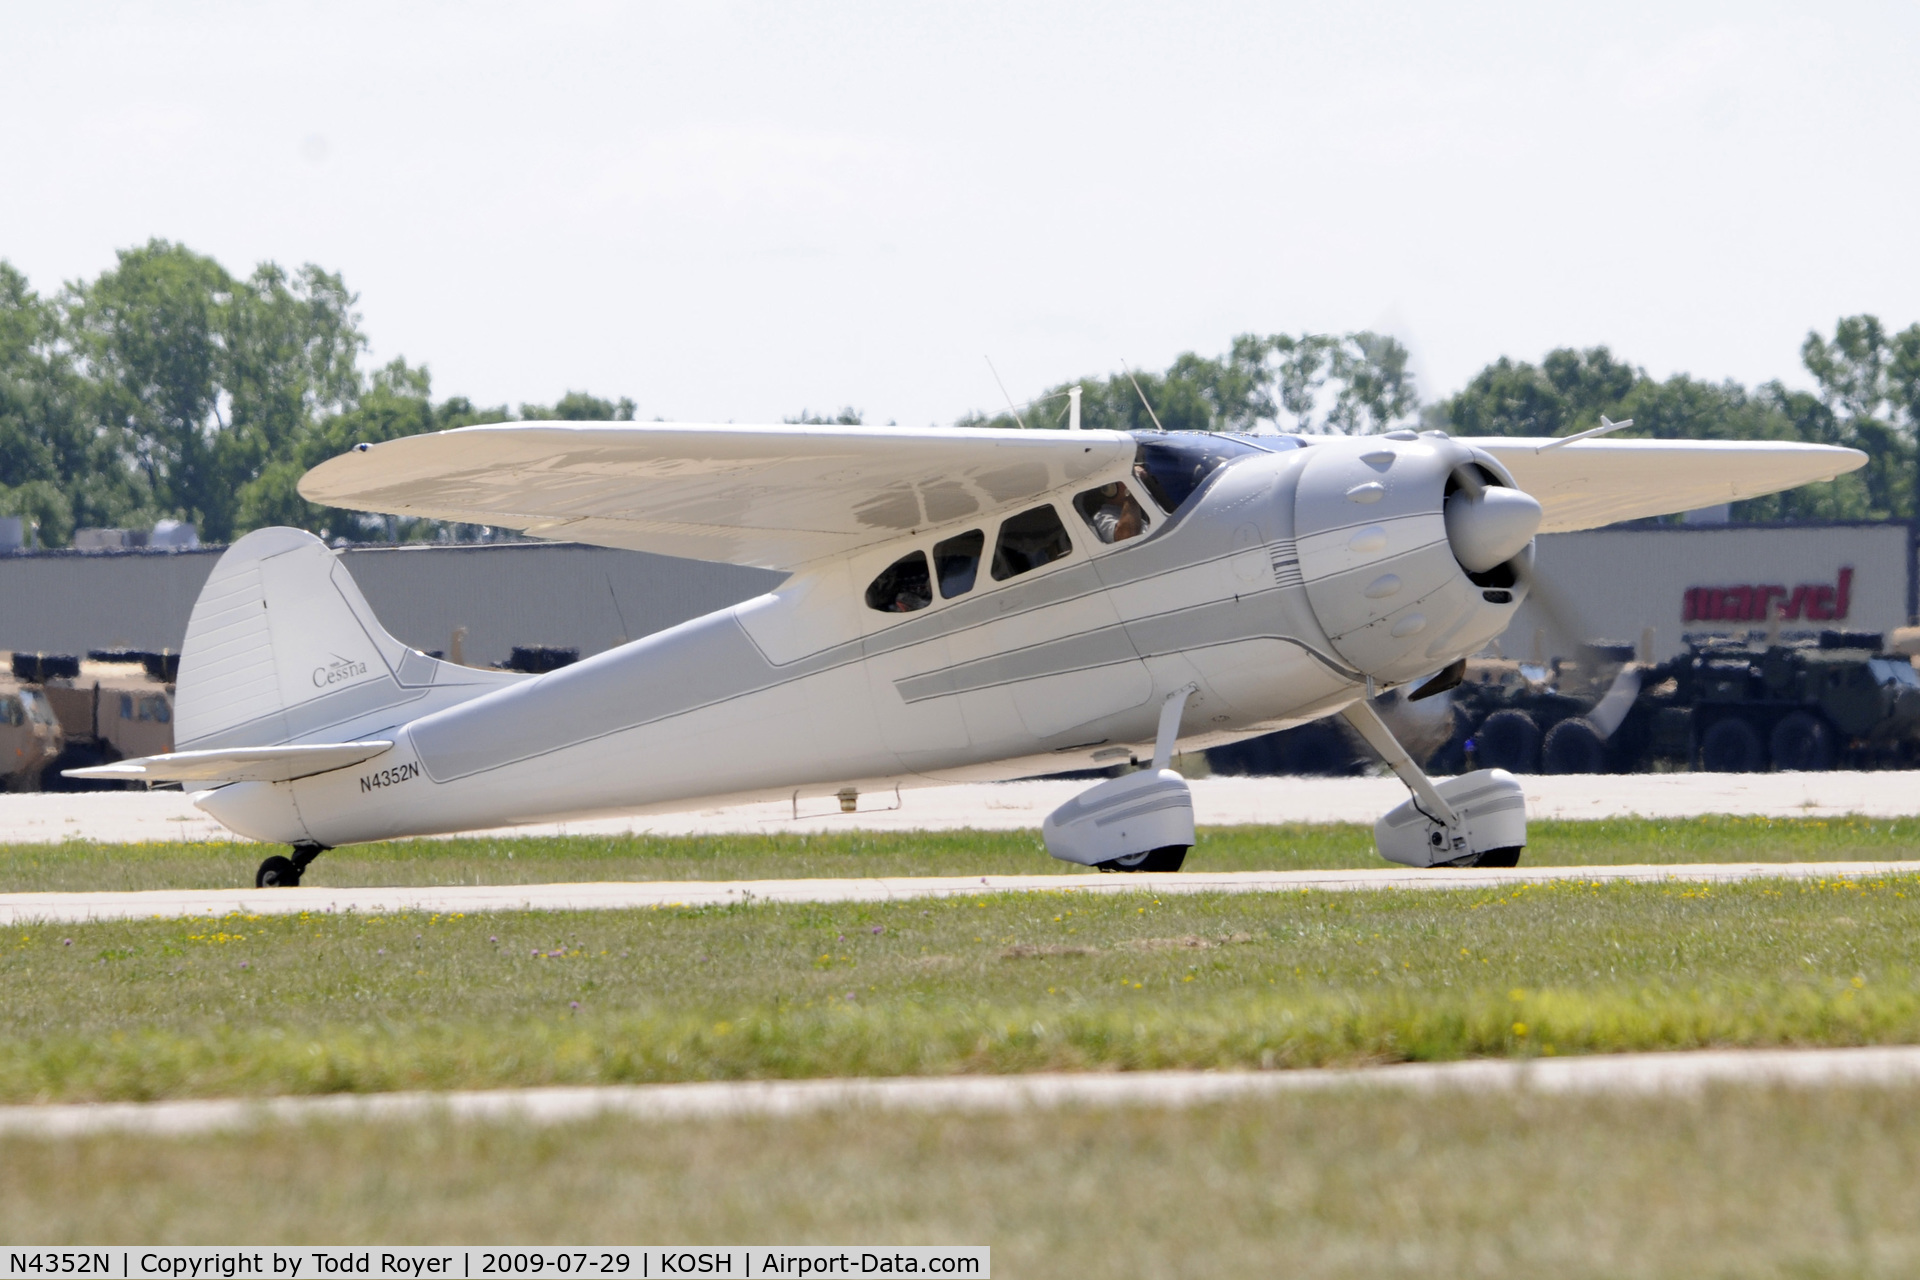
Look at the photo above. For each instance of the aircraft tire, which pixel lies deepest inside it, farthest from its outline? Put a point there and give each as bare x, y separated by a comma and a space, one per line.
1507, 857
1166, 858
276, 873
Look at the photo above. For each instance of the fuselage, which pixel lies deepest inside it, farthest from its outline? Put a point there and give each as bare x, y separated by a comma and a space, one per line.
1279, 583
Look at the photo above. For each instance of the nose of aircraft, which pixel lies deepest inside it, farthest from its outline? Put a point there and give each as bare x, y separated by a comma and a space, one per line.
1491, 527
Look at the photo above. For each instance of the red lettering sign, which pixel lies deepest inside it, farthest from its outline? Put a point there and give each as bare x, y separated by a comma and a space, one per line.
1813, 601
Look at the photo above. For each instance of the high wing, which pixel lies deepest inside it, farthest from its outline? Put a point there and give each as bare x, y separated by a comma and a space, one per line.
236, 764
776, 497
1597, 482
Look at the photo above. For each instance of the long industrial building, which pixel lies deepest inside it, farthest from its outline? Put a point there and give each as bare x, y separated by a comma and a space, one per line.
1672, 581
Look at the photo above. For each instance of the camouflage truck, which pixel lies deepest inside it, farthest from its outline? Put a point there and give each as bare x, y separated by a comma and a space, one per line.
1726, 706
112, 705
30, 737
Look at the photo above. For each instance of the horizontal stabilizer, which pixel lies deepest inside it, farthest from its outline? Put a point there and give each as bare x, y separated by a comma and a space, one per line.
236, 764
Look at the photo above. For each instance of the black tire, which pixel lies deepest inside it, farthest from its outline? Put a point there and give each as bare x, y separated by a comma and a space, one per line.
1507, 857
1508, 740
1573, 746
1731, 745
1801, 743
276, 873
1165, 858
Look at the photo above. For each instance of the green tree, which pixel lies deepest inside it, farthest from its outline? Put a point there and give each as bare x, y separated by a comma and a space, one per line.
847, 417
1355, 383
54, 466
579, 406
147, 336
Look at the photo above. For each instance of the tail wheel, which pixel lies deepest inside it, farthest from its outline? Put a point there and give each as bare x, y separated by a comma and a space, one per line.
1802, 743
276, 873
1732, 746
1166, 858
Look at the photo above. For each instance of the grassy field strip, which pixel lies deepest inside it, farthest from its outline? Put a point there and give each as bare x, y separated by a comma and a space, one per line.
46, 908
85, 866
1762, 1183
1621, 1073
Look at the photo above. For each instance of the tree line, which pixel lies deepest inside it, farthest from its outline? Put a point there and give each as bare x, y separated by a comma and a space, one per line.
168, 386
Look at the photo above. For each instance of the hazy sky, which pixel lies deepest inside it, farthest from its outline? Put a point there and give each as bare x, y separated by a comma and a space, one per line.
735, 211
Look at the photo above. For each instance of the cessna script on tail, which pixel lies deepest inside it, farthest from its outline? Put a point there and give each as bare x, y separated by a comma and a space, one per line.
964, 605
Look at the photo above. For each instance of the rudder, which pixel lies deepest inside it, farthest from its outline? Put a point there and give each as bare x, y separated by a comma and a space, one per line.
283, 648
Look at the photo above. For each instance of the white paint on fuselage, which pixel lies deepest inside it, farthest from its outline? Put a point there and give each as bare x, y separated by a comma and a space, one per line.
800, 693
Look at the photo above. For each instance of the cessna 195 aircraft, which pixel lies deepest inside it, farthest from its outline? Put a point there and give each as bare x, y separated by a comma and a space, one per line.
963, 605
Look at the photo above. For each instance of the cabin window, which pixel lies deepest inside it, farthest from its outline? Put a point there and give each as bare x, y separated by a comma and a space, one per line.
126, 706
11, 712
1029, 540
154, 707
903, 587
1171, 466
1112, 512
956, 562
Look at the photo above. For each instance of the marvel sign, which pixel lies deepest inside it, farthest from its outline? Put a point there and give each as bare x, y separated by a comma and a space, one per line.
1812, 601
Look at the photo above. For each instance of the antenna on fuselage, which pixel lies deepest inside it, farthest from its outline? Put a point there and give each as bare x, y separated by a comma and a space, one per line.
1003, 391
1143, 397
1073, 407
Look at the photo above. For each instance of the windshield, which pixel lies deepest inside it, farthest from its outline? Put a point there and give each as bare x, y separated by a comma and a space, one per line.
1171, 465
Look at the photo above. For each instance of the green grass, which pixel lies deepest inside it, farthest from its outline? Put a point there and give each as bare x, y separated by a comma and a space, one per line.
1746, 1182
81, 865
1018, 982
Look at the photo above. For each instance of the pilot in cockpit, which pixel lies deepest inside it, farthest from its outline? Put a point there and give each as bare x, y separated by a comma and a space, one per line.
1113, 513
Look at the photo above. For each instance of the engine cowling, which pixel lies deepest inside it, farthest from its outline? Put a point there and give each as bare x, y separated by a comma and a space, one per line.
1413, 549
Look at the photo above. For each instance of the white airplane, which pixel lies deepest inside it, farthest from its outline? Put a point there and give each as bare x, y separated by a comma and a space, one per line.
964, 605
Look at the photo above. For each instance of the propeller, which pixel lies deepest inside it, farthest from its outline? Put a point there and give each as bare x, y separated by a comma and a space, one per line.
1492, 525
1488, 525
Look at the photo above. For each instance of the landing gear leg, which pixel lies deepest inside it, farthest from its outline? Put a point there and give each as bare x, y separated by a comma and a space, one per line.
1478, 819
281, 873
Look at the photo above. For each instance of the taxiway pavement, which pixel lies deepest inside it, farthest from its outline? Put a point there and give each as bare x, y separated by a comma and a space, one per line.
170, 815
27, 908
1626, 1073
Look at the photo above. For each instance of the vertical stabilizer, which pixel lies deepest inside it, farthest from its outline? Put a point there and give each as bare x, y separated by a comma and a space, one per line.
283, 648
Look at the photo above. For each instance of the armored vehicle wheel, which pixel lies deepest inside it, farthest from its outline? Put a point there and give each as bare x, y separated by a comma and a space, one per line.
1167, 858
276, 873
1732, 746
1801, 742
1508, 740
1573, 746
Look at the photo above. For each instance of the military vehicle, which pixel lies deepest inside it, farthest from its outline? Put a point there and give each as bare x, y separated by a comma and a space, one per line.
1841, 698
1732, 707
113, 705
30, 737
